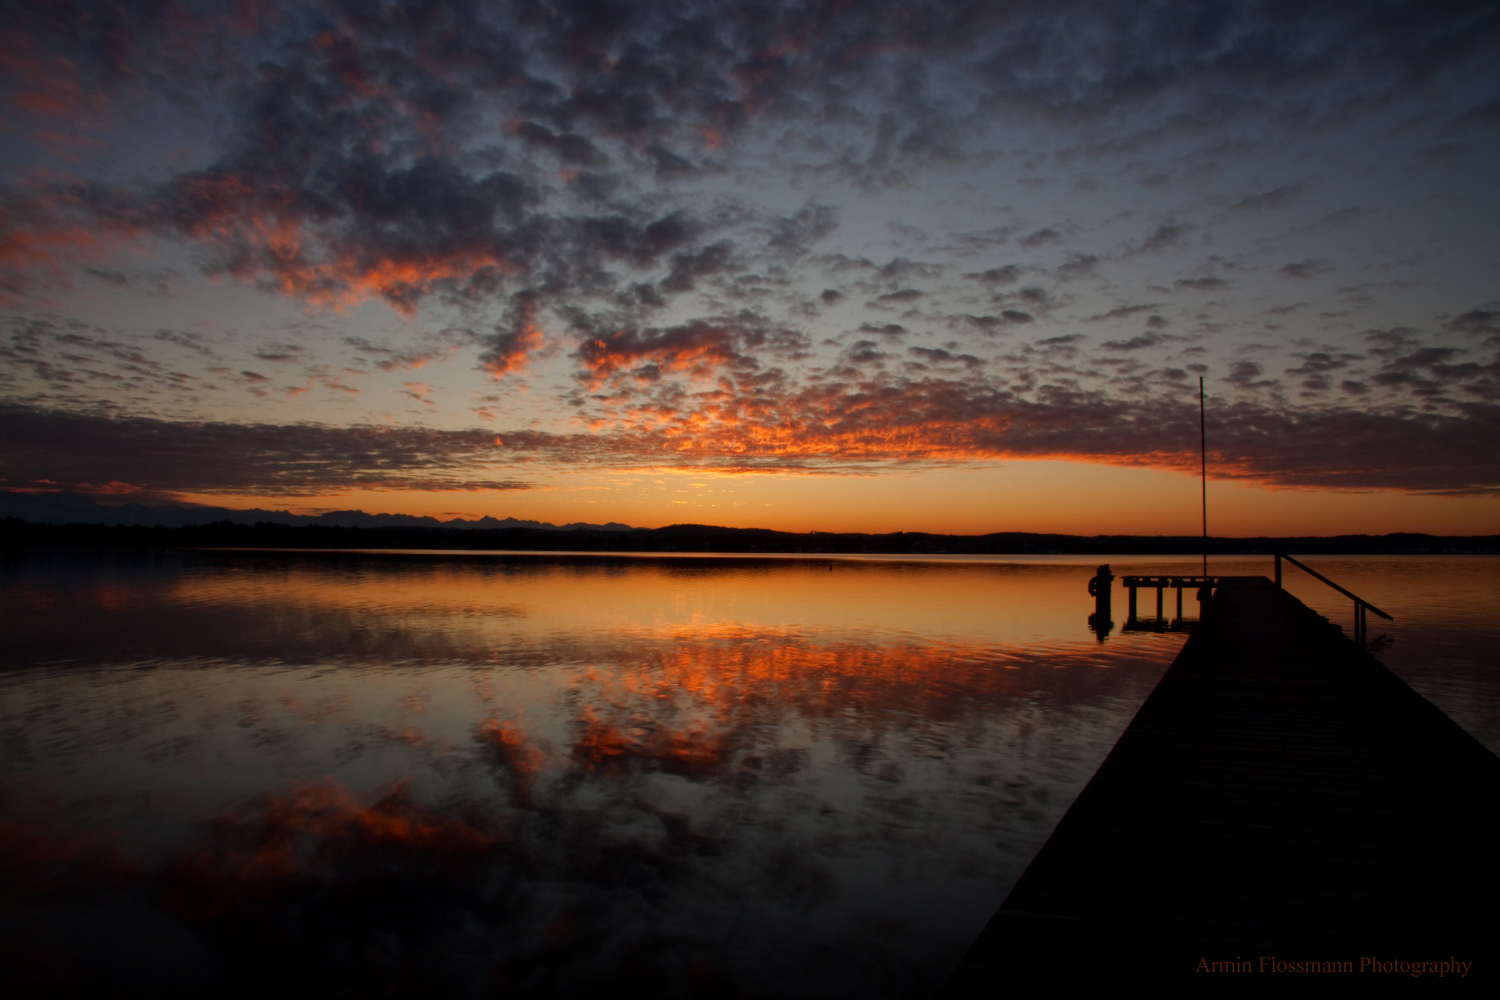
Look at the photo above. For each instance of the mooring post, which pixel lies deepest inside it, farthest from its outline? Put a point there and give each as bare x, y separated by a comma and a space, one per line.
1101, 587
1159, 589
1278, 571
1132, 603
1179, 600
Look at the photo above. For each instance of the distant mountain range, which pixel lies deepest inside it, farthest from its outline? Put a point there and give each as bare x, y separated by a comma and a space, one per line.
71, 520
80, 508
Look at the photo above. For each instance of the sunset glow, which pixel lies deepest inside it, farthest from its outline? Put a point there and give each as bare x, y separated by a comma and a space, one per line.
814, 266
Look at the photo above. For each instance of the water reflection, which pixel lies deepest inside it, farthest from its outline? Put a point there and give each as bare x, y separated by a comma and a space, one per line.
297, 774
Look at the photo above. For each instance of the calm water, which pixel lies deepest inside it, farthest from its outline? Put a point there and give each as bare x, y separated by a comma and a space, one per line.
394, 774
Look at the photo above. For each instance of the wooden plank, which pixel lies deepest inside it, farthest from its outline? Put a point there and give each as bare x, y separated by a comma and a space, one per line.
1280, 794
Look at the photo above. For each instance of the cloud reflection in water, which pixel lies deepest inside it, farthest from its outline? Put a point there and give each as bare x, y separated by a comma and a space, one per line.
304, 775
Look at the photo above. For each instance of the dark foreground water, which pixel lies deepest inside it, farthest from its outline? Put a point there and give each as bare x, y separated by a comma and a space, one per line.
397, 774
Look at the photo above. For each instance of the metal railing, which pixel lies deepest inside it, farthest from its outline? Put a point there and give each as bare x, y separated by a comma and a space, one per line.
1361, 629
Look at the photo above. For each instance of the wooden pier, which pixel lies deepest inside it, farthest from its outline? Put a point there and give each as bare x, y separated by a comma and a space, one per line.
1280, 797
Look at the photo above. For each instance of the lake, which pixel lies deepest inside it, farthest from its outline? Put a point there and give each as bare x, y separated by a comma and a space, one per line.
405, 773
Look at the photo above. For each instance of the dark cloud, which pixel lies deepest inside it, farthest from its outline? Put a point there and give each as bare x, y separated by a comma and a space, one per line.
1307, 268
569, 148
88, 453
1480, 322
1148, 339
1007, 275
1066, 340
1246, 375
1207, 283
1274, 198
991, 324
1167, 237
1432, 373
1040, 238
901, 270
1318, 366
687, 268
877, 419
794, 236
1120, 312
1078, 265
345, 123
532, 164
1343, 217
1486, 113
939, 356
900, 297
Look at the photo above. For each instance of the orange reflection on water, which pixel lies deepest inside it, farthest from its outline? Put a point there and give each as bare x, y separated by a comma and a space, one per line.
725, 683
609, 748
262, 853
503, 595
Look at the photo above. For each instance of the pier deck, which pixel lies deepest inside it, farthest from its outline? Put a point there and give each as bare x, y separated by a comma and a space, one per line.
1279, 794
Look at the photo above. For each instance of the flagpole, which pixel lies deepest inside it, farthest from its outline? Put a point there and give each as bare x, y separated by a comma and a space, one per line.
1203, 457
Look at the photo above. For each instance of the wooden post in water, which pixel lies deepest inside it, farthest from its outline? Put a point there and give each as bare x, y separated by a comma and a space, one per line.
1101, 587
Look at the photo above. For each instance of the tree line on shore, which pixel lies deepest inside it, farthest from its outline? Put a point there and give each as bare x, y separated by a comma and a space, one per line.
16, 533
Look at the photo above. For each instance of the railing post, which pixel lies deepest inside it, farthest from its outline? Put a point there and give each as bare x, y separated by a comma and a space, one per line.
1132, 604
1278, 571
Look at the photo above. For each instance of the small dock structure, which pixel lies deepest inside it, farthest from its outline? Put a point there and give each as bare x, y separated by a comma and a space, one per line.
1200, 586
1281, 804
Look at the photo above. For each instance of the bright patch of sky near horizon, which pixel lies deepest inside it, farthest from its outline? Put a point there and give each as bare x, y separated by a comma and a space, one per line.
899, 267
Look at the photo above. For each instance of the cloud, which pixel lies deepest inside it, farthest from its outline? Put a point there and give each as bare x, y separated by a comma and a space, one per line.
1206, 283
359, 156
1317, 366
1148, 339
515, 340
1120, 312
1478, 322
1040, 237
940, 356
1277, 197
1078, 265
856, 424
992, 324
77, 451
1246, 375
1343, 217
1007, 275
1307, 268
698, 349
1162, 238
537, 178
1432, 373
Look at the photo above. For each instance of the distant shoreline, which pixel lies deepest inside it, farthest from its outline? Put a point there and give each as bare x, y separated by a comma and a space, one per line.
16, 533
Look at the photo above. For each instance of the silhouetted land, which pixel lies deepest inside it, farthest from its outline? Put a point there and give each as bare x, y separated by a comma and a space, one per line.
16, 533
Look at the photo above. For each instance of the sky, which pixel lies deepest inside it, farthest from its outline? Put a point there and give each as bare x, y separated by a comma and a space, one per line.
871, 266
